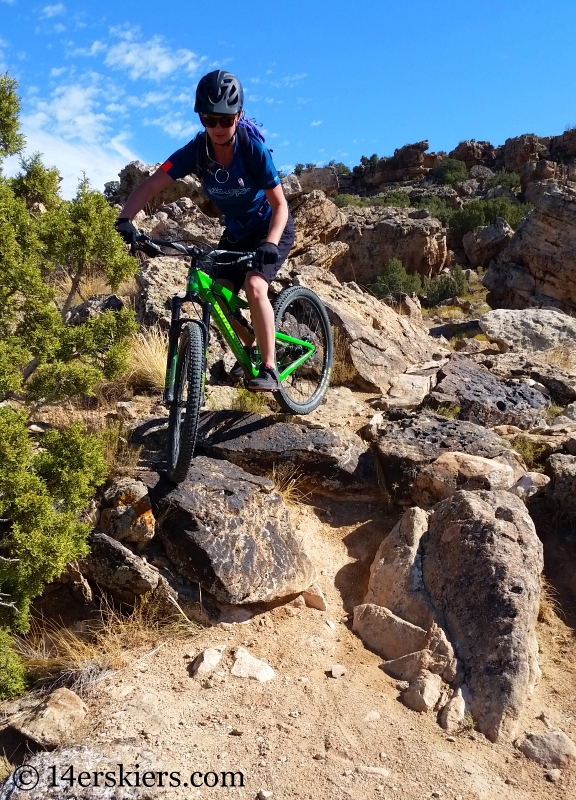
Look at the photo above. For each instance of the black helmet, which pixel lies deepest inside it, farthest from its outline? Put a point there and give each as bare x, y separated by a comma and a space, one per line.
219, 92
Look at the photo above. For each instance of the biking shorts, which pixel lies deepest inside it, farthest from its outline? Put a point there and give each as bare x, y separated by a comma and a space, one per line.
237, 274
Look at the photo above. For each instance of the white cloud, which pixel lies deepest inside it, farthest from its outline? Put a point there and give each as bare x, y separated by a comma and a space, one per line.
254, 98
8, 2
59, 28
286, 168
174, 125
55, 72
289, 81
151, 60
101, 162
71, 113
93, 50
303, 100
53, 11
317, 122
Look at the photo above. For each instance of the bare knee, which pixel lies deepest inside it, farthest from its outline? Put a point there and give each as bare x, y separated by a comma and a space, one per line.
256, 288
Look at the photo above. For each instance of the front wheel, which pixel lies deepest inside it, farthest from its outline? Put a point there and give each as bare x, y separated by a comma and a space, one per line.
185, 410
300, 314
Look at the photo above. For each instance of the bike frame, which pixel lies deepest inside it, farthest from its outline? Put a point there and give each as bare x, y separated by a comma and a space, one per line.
210, 295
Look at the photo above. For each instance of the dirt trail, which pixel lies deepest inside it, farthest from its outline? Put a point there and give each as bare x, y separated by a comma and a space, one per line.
303, 734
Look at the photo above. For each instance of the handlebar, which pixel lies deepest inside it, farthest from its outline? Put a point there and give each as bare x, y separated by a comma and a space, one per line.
152, 247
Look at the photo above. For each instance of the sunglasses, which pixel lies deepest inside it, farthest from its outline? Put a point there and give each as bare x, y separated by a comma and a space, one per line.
224, 120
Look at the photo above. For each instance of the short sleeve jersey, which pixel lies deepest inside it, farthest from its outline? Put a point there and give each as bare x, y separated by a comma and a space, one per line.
237, 192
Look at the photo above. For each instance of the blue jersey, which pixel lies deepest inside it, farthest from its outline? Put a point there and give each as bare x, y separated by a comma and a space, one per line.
237, 192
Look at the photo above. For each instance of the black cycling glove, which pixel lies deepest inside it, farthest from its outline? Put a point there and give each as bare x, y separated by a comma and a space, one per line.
267, 253
126, 230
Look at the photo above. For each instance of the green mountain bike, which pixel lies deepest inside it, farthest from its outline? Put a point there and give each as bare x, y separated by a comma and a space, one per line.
304, 347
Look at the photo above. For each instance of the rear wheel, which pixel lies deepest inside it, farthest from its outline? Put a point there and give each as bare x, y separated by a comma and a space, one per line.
185, 410
300, 313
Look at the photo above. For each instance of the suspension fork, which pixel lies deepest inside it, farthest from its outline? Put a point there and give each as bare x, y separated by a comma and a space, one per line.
174, 335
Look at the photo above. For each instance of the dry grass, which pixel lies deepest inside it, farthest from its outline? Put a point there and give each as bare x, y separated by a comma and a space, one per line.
552, 411
529, 450
5, 767
249, 401
147, 363
450, 411
343, 370
55, 656
549, 609
288, 480
121, 456
564, 357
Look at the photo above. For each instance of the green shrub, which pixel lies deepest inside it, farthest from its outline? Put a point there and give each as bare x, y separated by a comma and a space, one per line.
342, 200
369, 162
484, 212
12, 672
450, 171
41, 495
437, 207
394, 197
444, 286
340, 168
503, 178
394, 278
37, 184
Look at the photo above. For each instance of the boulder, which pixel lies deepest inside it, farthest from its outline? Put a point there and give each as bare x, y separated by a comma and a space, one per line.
446, 193
481, 173
407, 163
183, 221
481, 565
323, 178
316, 221
396, 572
472, 152
230, 532
113, 566
93, 307
467, 188
453, 471
53, 721
331, 462
529, 329
562, 490
484, 243
128, 515
385, 633
247, 666
538, 267
374, 235
484, 399
424, 693
451, 717
407, 446
291, 186
552, 749
373, 344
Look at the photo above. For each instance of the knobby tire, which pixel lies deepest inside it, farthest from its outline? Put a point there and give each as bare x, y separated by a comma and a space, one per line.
300, 313
185, 410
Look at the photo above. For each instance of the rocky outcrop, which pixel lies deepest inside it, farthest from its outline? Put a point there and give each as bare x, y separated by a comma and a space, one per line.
406, 447
472, 152
528, 330
330, 462
538, 267
484, 399
407, 163
520, 149
316, 221
323, 178
481, 565
374, 345
374, 235
230, 532
134, 173
484, 243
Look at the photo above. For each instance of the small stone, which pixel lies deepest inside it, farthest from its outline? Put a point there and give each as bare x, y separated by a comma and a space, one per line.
402, 686
330, 624
383, 756
543, 717
246, 666
264, 795
381, 771
552, 749
450, 738
337, 670
319, 757
372, 716
511, 781
436, 794
553, 775
206, 662
236, 732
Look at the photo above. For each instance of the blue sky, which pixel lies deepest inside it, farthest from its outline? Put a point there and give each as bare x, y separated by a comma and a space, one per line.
105, 83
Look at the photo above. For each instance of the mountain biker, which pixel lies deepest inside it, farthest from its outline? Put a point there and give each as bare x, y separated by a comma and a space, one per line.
250, 196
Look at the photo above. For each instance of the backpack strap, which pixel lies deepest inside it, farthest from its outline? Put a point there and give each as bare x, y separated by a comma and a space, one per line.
201, 159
